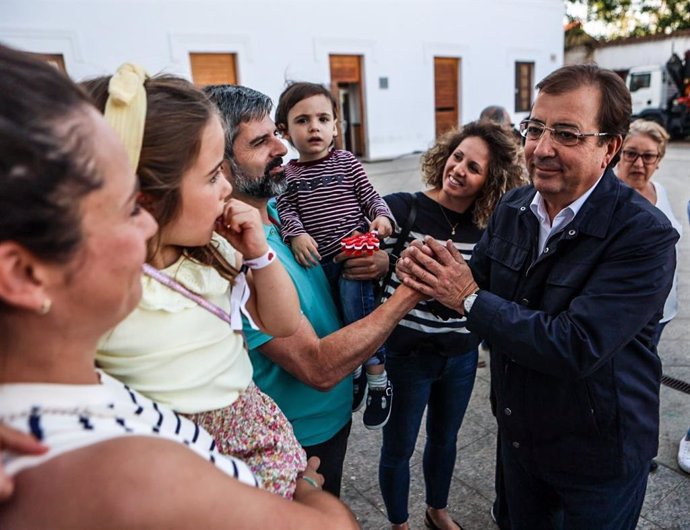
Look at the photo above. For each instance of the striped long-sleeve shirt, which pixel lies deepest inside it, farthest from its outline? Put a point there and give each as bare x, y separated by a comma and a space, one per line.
328, 199
430, 322
70, 417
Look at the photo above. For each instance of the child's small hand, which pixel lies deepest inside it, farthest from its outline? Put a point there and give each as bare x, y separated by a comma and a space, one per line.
304, 248
311, 481
241, 225
382, 225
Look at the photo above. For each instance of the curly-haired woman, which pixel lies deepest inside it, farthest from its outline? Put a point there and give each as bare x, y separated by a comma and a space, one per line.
433, 358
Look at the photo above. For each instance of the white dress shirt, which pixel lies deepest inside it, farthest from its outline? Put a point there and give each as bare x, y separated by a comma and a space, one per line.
562, 218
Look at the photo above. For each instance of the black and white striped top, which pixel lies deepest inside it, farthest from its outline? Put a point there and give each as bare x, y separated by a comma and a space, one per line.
328, 199
68, 417
430, 322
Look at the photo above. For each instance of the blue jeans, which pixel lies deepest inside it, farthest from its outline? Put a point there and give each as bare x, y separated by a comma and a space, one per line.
445, 384
357, 299
541, 500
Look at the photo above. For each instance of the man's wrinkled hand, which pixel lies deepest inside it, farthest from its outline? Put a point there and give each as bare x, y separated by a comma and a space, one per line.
437, 271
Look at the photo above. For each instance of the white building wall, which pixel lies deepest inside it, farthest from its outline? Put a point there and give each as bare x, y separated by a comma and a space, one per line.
633, 52
625, 56
275, 41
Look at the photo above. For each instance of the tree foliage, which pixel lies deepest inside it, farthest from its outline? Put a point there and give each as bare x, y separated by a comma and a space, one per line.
627, 18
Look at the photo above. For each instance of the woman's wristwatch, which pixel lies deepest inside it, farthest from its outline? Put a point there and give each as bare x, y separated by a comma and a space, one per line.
468, 302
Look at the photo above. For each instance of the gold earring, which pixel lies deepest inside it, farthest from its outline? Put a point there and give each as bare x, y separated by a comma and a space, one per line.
45, 307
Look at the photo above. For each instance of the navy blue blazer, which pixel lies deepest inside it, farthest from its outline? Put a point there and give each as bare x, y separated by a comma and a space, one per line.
574, 374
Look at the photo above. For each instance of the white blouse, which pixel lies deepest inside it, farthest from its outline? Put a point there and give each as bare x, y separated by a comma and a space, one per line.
662, 202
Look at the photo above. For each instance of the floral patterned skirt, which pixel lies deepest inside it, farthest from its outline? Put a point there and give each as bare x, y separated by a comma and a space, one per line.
255, 430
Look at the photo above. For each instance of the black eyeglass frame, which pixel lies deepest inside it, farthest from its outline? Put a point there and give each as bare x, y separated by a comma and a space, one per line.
577, 134
626, 153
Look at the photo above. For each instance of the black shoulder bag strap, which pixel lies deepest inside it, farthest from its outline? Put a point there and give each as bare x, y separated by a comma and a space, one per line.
399, 246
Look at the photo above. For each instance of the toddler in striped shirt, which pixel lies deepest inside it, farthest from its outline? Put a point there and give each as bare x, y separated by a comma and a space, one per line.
328, 198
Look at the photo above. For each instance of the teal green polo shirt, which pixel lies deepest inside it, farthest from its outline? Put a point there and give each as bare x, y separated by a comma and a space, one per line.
315, 416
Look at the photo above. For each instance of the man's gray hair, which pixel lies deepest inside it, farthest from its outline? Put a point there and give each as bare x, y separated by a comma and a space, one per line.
237, 104
496, 114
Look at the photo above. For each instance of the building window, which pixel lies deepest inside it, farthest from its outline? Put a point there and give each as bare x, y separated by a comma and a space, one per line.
524, 81
638, 81
213, 69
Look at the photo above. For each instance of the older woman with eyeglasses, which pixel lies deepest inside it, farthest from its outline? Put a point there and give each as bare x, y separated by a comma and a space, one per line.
643, 149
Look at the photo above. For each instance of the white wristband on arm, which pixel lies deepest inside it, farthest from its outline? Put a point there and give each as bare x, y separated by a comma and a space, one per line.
260, 262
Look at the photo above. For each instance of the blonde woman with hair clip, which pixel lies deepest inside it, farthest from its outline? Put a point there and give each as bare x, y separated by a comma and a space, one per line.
208, 265
72, 245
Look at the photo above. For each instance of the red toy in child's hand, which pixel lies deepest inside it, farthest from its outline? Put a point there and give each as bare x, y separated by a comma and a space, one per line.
360, 245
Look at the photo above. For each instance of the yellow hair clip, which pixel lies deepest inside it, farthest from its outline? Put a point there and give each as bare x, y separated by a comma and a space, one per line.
125, 109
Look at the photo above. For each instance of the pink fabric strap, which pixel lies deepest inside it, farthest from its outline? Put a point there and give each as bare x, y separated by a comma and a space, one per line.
238, 300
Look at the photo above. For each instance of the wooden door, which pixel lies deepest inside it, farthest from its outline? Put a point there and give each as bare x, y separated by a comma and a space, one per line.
446, 93
213, 69
346, 75
346, 68
339, 139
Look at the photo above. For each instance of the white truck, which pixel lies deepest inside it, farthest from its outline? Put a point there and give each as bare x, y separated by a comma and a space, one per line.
662, 93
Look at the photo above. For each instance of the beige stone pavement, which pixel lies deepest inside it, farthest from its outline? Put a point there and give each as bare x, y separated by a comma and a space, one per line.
667, 504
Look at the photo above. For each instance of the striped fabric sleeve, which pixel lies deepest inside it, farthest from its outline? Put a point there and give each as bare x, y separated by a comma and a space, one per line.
371, 202
70, 417
428, 317
291, 225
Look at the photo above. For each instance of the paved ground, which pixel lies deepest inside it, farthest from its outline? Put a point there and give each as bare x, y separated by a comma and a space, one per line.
667, 505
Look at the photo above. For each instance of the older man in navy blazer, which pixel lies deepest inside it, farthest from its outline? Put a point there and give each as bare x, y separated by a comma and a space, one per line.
567, 286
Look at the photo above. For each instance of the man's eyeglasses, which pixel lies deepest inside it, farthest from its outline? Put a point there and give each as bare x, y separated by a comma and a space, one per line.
562, 134
647, 158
